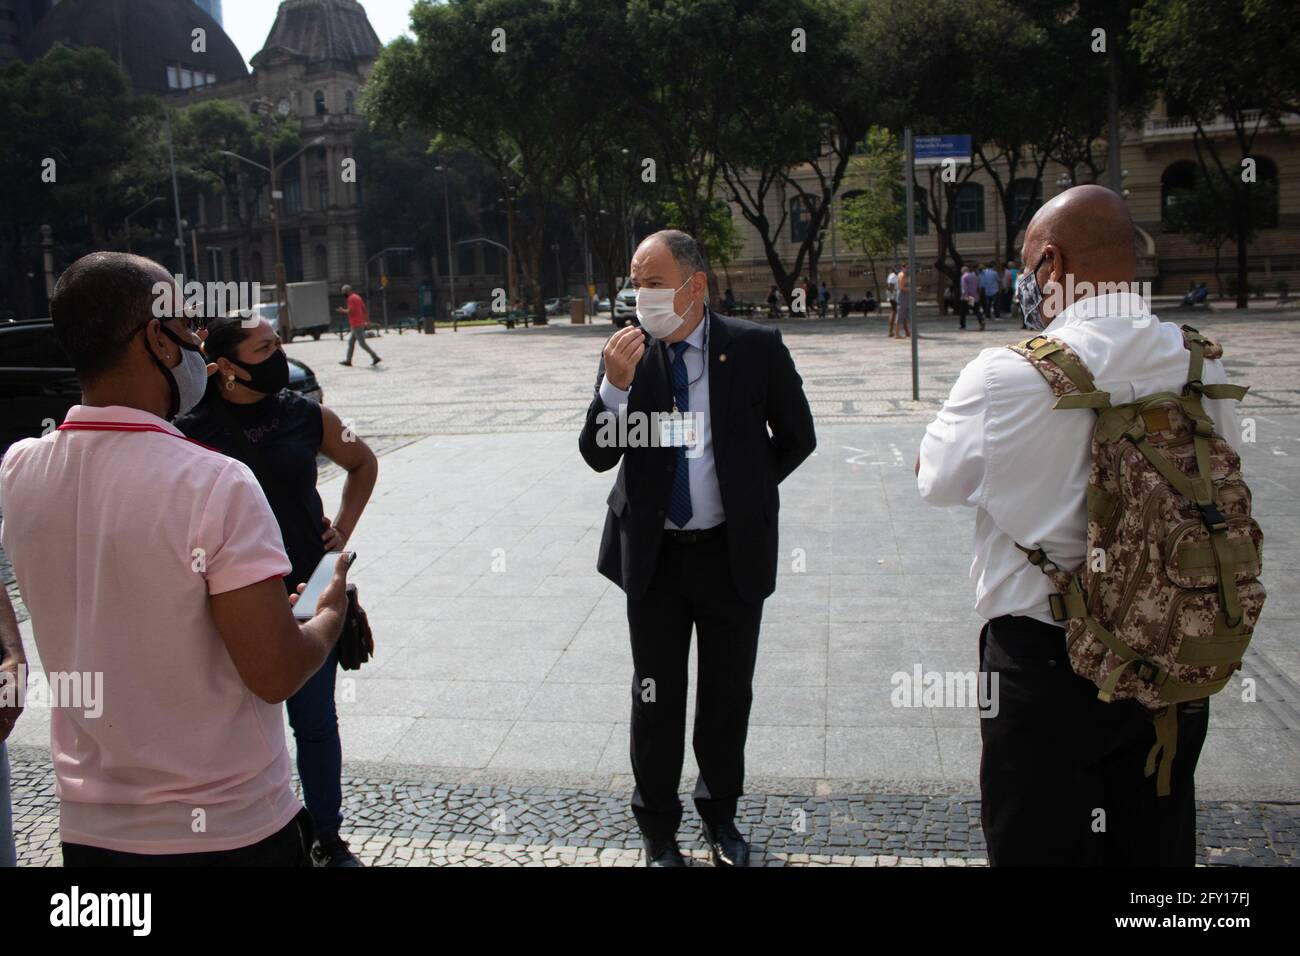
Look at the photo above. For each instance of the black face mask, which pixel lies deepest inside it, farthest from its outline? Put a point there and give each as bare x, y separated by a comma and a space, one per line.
268, 376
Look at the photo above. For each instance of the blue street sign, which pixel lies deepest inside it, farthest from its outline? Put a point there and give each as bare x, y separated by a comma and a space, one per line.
936, 150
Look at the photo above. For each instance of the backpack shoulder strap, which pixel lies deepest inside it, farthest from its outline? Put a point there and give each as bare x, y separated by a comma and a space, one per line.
1065, 372
1202, 347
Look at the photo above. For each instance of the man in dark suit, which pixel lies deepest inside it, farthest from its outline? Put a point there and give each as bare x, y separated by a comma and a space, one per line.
685, 402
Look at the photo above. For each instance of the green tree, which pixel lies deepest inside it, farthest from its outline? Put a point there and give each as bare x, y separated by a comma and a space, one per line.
874, 219
1205, 212
68, 128
1224, 62
793, 158
510, 80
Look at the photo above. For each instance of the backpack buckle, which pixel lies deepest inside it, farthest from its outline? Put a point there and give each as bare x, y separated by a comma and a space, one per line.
1212, 517
1056, 603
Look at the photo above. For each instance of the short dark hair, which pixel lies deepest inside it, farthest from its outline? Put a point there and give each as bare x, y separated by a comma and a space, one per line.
685, 250
98, 303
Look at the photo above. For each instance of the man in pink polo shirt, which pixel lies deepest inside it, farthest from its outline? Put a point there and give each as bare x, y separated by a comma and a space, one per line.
156, 562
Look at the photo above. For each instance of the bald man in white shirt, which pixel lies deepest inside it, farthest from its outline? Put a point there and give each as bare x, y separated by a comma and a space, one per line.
1053, 754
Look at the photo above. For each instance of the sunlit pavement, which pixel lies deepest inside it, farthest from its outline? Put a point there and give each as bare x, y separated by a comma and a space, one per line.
503, 669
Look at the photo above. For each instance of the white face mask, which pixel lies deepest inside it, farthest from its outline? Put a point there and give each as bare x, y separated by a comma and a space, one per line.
654, 307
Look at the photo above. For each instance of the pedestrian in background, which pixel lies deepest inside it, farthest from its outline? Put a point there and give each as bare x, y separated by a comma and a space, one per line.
891, 284
969, 297
989, 293
358, 322
904, 304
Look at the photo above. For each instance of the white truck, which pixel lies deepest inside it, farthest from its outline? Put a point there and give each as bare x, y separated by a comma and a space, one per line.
309, 309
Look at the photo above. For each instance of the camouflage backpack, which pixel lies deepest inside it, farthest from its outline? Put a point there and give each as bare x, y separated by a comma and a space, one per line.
1167, 597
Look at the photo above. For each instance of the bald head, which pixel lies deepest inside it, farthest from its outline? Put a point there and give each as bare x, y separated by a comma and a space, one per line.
1086, 232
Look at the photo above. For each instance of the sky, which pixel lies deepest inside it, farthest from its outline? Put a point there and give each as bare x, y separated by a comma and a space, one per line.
247, 22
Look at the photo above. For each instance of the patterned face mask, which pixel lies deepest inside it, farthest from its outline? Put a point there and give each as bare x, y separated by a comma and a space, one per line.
1031, 296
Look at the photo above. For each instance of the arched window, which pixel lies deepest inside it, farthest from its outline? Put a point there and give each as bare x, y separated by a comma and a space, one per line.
1177, 182
320, 102
969, 215
351, 102
1266, 180
1026, 197
800, 217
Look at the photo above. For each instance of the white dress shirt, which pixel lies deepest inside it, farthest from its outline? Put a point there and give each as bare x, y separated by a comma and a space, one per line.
706, 497
998, 445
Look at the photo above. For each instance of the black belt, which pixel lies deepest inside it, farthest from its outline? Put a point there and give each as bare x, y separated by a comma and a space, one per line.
695, 536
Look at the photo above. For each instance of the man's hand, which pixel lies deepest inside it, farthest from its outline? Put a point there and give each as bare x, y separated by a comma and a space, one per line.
622, 353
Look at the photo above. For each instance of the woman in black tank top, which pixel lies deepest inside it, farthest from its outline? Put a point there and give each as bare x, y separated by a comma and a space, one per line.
249, 414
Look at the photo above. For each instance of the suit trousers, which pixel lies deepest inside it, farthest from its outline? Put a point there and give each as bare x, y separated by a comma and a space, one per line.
1062, 778
692, 586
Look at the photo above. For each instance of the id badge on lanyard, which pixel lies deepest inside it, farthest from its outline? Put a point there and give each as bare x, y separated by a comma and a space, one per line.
677, 430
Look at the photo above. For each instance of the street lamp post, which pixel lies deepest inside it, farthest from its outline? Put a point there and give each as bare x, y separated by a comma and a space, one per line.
586, 259
136, 212
281, 282
451, 263
510, 259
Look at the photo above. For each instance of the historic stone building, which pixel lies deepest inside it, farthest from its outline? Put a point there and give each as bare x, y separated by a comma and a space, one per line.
1159, 161
311, 69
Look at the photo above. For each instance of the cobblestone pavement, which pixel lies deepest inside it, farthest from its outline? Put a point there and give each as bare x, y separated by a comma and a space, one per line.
489, 379
417, 823
484, 676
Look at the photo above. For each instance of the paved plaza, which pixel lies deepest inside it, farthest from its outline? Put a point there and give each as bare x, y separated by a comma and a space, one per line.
492, 726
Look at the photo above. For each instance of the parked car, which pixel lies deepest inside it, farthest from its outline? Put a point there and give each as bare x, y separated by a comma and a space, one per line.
558, 306
624, 305
470, 311
38, 384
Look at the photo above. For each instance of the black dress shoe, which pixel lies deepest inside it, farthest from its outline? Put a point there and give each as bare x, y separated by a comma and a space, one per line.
667, 853
726, 845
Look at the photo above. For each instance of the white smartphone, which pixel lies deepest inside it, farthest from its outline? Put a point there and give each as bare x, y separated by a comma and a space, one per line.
305, 608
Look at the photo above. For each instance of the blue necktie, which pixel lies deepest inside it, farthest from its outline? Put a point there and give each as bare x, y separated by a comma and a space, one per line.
679, 507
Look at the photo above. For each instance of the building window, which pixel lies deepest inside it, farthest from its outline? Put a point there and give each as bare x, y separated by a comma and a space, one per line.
351, 102
293, 256
800, 218
292, 187
969, 215
187, 78
320, 102
920, 221
323, 191
173, 78
1266, 179
297, 102
214, 260
322, 262
1026, 197
235, 274
1177, 184
255, 264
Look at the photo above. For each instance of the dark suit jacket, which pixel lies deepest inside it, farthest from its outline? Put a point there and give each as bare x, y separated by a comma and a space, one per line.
752, 385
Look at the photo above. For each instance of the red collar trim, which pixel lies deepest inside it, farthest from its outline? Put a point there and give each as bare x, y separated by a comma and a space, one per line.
127, 427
